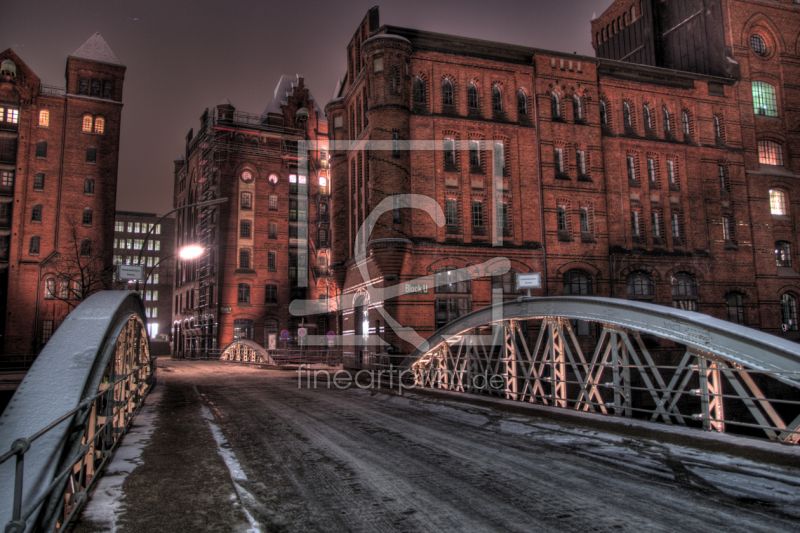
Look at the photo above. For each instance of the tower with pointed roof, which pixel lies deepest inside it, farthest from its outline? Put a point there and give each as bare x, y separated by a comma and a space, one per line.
58, 186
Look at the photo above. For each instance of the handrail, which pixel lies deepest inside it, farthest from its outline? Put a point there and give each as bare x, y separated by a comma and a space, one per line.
103, 338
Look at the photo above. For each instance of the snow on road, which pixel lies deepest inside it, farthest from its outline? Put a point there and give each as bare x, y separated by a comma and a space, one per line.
355, 460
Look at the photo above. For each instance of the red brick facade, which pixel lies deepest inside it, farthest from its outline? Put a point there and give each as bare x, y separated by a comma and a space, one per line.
269, 244
59, 160
571, 174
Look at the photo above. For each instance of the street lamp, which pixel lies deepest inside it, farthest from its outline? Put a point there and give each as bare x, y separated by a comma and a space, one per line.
147, 237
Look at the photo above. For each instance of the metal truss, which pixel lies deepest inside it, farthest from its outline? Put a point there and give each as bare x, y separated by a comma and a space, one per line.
245, 352
695, 383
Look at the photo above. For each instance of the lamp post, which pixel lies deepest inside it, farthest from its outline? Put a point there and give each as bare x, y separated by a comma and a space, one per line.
149, 231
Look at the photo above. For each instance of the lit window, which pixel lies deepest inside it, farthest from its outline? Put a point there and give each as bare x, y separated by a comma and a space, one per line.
764, 100
119, 226
87, 124
99, 125
323, 185
273, 202
7, 178
44, 118
12, 115
770, 153
777, 202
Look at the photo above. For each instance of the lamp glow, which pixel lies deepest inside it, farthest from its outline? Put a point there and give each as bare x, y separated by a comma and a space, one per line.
191, 252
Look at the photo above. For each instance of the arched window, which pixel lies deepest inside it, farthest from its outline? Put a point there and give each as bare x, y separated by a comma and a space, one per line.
764, 101
8, 68
472, 96
627, 117
91, 154
242, 329
41, 149
667, 120
87, 124
717, 127
451, 280
86, 247
83, 86
522, 104
49, 288
36, 213
783, 254
38, 181
447, 92
577, 282
87, 217
107, 89
451, 212
640, 285
34, 245
777, 202
243, 293
770, 153
684, 292
88, 186
419, 91
99, 125
758, 45
497, 98
555, 105
44, 118
648, 119
96, 88
687, 127
577, 107
735, 304
789, 311
603, 112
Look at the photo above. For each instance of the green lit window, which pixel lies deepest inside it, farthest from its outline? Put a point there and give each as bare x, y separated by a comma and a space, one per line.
764, 101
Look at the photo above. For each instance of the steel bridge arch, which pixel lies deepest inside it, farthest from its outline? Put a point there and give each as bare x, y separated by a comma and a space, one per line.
71, 410
715, 349
246, 352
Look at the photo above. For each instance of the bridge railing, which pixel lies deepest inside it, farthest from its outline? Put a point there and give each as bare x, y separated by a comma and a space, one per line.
71, 410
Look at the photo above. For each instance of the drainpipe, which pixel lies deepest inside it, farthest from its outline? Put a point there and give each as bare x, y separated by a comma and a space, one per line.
541, 184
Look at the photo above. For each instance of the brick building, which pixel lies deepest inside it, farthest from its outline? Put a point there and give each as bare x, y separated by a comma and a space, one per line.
59, 149
609, 177
269, 244
158, 258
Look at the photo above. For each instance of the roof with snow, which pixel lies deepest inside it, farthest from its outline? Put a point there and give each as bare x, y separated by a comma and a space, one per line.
96, 49
282, 93
225, 101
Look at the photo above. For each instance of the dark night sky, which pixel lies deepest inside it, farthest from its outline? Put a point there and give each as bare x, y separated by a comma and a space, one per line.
185, 56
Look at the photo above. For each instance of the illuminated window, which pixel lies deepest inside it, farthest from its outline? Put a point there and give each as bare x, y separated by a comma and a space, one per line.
770, 153
44, 118
99, 125
273, 202
7, 178
764, 100
783, 254
777, 202
87, 124
323, 185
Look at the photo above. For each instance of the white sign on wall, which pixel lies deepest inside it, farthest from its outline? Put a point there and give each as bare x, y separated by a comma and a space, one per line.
130, 272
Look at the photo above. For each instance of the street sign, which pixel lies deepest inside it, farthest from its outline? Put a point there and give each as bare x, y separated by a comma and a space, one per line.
302, 332
285, 337
529, 281
416, 288
331, 335
130, 272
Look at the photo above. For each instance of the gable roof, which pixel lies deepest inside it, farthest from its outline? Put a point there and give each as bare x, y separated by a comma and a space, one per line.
96, 49
282, 93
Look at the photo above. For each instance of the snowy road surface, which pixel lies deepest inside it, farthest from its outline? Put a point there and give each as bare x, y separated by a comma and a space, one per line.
239, 448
